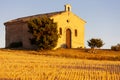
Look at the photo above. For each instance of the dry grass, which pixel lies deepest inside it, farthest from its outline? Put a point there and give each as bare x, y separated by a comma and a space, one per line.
24, 65
81, 54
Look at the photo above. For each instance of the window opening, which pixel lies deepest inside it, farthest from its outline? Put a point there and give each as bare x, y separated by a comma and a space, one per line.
76, 32
60, 31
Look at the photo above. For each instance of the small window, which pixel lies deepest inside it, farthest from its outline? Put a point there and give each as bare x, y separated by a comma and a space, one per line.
68, 21
76, 32
60, 31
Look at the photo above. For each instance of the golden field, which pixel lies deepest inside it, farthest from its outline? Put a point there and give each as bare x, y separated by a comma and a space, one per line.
33, 65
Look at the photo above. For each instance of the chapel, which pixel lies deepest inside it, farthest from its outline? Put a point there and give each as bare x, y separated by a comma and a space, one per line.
70, 27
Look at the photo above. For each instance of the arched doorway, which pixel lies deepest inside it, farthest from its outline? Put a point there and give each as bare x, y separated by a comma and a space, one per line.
68, 38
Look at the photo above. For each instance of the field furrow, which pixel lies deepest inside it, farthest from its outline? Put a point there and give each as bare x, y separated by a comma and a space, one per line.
16, 66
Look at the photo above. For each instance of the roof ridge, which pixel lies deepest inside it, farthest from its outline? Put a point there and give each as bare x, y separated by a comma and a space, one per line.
35, 16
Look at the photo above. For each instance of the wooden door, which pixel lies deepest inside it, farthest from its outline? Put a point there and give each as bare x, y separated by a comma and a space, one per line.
68, 38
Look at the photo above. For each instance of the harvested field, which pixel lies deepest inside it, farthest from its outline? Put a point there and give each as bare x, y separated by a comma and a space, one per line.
20, 65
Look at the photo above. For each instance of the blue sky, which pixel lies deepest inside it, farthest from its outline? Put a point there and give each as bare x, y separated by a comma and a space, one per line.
102, 16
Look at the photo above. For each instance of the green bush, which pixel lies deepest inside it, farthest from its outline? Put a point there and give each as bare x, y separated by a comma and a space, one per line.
116, 47
15, 45
44, 32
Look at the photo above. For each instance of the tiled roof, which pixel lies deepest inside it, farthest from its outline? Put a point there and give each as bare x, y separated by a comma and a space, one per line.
23, 19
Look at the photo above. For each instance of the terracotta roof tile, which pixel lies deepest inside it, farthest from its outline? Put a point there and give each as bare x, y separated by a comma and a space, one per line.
23, 19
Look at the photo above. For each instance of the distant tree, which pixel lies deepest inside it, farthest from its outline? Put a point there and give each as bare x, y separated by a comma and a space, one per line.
44, 32
116, 47
95, 43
